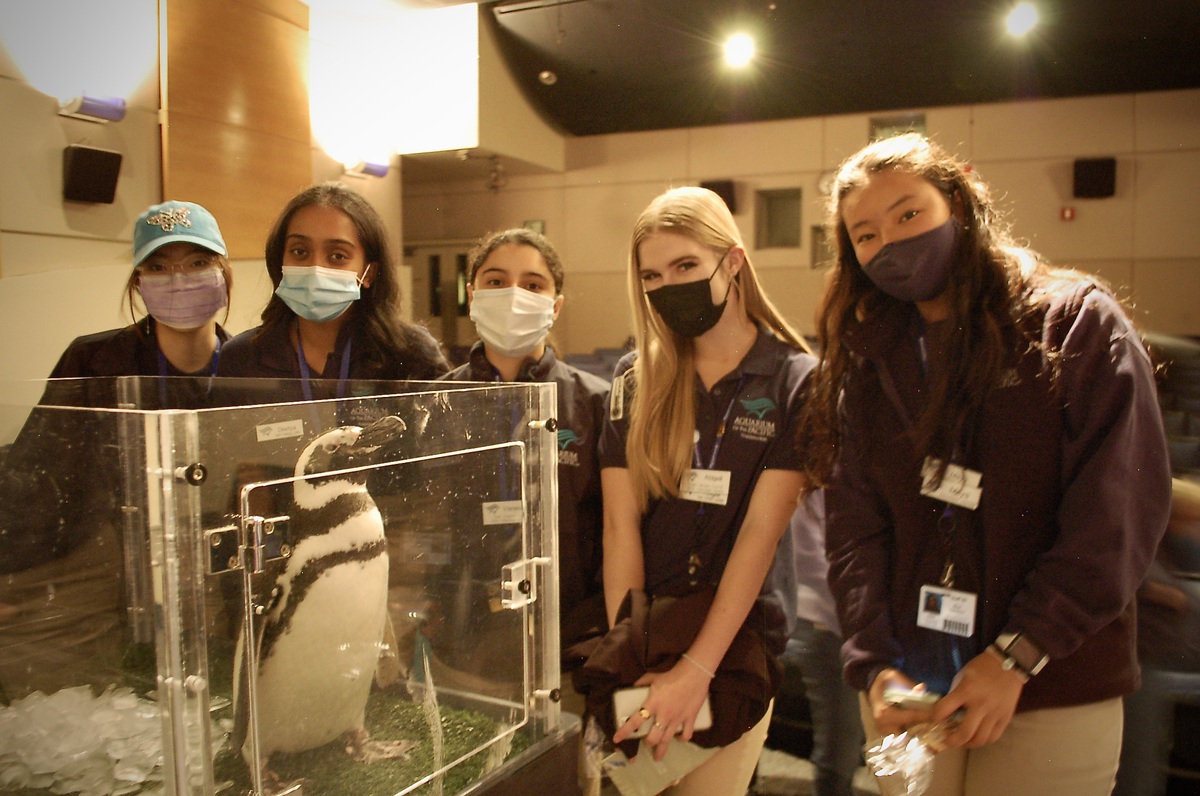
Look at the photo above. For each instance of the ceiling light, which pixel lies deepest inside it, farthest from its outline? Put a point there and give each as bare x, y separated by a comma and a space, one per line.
365, 168
94, 109
1021, 19
547, 78
739, 50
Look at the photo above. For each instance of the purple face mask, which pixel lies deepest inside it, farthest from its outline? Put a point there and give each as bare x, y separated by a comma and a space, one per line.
184, 301
916, 268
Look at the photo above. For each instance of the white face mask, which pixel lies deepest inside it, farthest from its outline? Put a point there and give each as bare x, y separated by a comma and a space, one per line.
512, 320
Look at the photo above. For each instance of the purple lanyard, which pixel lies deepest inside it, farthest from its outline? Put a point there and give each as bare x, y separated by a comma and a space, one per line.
712, 458
343, 372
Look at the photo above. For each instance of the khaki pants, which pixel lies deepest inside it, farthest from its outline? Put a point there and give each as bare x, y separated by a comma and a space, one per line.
1052, 752
730, 770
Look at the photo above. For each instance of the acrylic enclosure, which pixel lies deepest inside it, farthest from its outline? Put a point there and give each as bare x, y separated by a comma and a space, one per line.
206, 586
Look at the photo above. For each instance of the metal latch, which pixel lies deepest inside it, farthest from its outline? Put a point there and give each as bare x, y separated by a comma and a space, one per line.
263, 539
519, 582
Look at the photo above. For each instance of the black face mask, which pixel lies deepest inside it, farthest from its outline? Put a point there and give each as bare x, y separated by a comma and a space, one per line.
688, 309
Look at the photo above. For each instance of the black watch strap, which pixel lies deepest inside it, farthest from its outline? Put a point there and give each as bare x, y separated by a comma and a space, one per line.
1018, 650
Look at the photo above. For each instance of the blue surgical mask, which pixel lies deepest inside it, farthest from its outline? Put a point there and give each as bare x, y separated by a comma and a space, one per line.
316, 293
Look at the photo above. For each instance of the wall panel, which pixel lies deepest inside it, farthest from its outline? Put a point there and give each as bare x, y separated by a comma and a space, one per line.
237, 133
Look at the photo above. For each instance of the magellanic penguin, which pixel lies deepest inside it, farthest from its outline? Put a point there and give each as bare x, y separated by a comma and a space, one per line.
322, 635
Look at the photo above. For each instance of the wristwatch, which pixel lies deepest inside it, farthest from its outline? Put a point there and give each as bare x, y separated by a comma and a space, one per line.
1019, 652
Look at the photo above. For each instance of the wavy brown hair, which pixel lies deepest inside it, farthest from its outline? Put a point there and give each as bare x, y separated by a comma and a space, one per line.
995, 286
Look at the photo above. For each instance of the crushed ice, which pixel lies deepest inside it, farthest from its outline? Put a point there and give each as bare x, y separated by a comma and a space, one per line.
74, 742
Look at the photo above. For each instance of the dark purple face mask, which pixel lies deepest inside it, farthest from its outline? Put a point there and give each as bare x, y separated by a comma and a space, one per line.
916, 268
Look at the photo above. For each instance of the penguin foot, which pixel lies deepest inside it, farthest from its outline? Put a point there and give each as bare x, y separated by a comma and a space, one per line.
273, 785
363, 750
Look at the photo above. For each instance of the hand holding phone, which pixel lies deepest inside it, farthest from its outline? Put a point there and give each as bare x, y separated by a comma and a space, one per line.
910, 699
627, 701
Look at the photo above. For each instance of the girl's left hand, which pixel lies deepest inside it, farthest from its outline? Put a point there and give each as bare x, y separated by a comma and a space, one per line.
675, 698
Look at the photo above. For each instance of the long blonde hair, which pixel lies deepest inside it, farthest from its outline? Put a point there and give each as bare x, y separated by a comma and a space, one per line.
662, 413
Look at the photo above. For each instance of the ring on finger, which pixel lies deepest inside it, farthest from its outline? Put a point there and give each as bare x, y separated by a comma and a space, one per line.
645, 714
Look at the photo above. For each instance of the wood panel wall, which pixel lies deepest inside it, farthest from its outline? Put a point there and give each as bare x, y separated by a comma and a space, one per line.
236, 133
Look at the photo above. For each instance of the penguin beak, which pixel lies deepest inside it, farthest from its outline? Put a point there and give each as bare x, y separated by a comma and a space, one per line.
377, 437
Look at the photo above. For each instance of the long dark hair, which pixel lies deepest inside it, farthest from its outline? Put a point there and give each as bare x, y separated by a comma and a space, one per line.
994, 287
378, 309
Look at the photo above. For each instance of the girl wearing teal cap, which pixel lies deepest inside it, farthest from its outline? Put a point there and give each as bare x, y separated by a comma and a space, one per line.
182, 278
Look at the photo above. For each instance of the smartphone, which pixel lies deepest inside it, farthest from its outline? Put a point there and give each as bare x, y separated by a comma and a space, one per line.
910, 700
627, 701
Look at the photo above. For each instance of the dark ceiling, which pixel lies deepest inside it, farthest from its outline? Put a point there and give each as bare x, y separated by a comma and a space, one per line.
626, 65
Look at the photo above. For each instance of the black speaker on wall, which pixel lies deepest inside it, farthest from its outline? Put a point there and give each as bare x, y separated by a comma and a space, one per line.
1095, 178
725, 190
90, 174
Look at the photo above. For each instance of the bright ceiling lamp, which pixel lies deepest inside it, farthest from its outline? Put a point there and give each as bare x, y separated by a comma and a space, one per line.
386, 78
739, 50
1022, 19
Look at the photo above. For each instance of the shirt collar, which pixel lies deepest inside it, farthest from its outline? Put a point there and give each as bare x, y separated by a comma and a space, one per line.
531, 370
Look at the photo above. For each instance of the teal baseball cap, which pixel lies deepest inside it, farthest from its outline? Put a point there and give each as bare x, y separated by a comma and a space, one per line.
175, 222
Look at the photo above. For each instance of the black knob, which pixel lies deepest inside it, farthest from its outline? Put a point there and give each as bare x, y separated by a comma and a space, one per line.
195, 474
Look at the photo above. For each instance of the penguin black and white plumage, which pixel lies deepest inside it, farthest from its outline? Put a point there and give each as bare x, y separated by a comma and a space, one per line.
322, 635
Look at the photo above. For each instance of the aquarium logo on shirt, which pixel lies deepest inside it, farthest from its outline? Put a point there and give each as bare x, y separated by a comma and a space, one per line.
567, 438
753, 425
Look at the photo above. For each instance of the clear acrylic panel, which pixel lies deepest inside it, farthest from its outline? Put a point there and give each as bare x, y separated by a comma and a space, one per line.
390, 555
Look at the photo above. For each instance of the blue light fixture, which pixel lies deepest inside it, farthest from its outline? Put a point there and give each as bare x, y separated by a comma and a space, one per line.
94, 109
365, 168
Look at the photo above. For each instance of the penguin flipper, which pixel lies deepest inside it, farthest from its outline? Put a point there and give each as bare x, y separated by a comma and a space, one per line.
389, 670
241, 701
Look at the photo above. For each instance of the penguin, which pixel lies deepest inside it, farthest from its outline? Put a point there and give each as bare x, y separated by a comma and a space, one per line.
322, 634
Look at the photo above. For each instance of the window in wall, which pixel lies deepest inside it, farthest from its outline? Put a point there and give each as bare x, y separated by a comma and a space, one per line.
435, 285
777, 214
461, 279
887, 126
436, 289
823, 254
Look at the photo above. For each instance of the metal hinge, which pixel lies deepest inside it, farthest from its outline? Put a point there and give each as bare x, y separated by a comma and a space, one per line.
258, 539
519, 582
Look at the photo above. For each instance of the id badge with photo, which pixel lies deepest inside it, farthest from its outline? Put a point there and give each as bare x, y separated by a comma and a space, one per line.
705, 486
947, 610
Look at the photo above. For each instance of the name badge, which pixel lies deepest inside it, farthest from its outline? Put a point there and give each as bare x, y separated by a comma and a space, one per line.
288, 428
705, 486
503, 512
616, 398
947, 610
959, 485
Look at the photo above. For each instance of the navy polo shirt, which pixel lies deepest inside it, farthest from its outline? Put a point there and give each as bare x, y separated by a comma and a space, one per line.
267, 352
582, 406
685, 542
